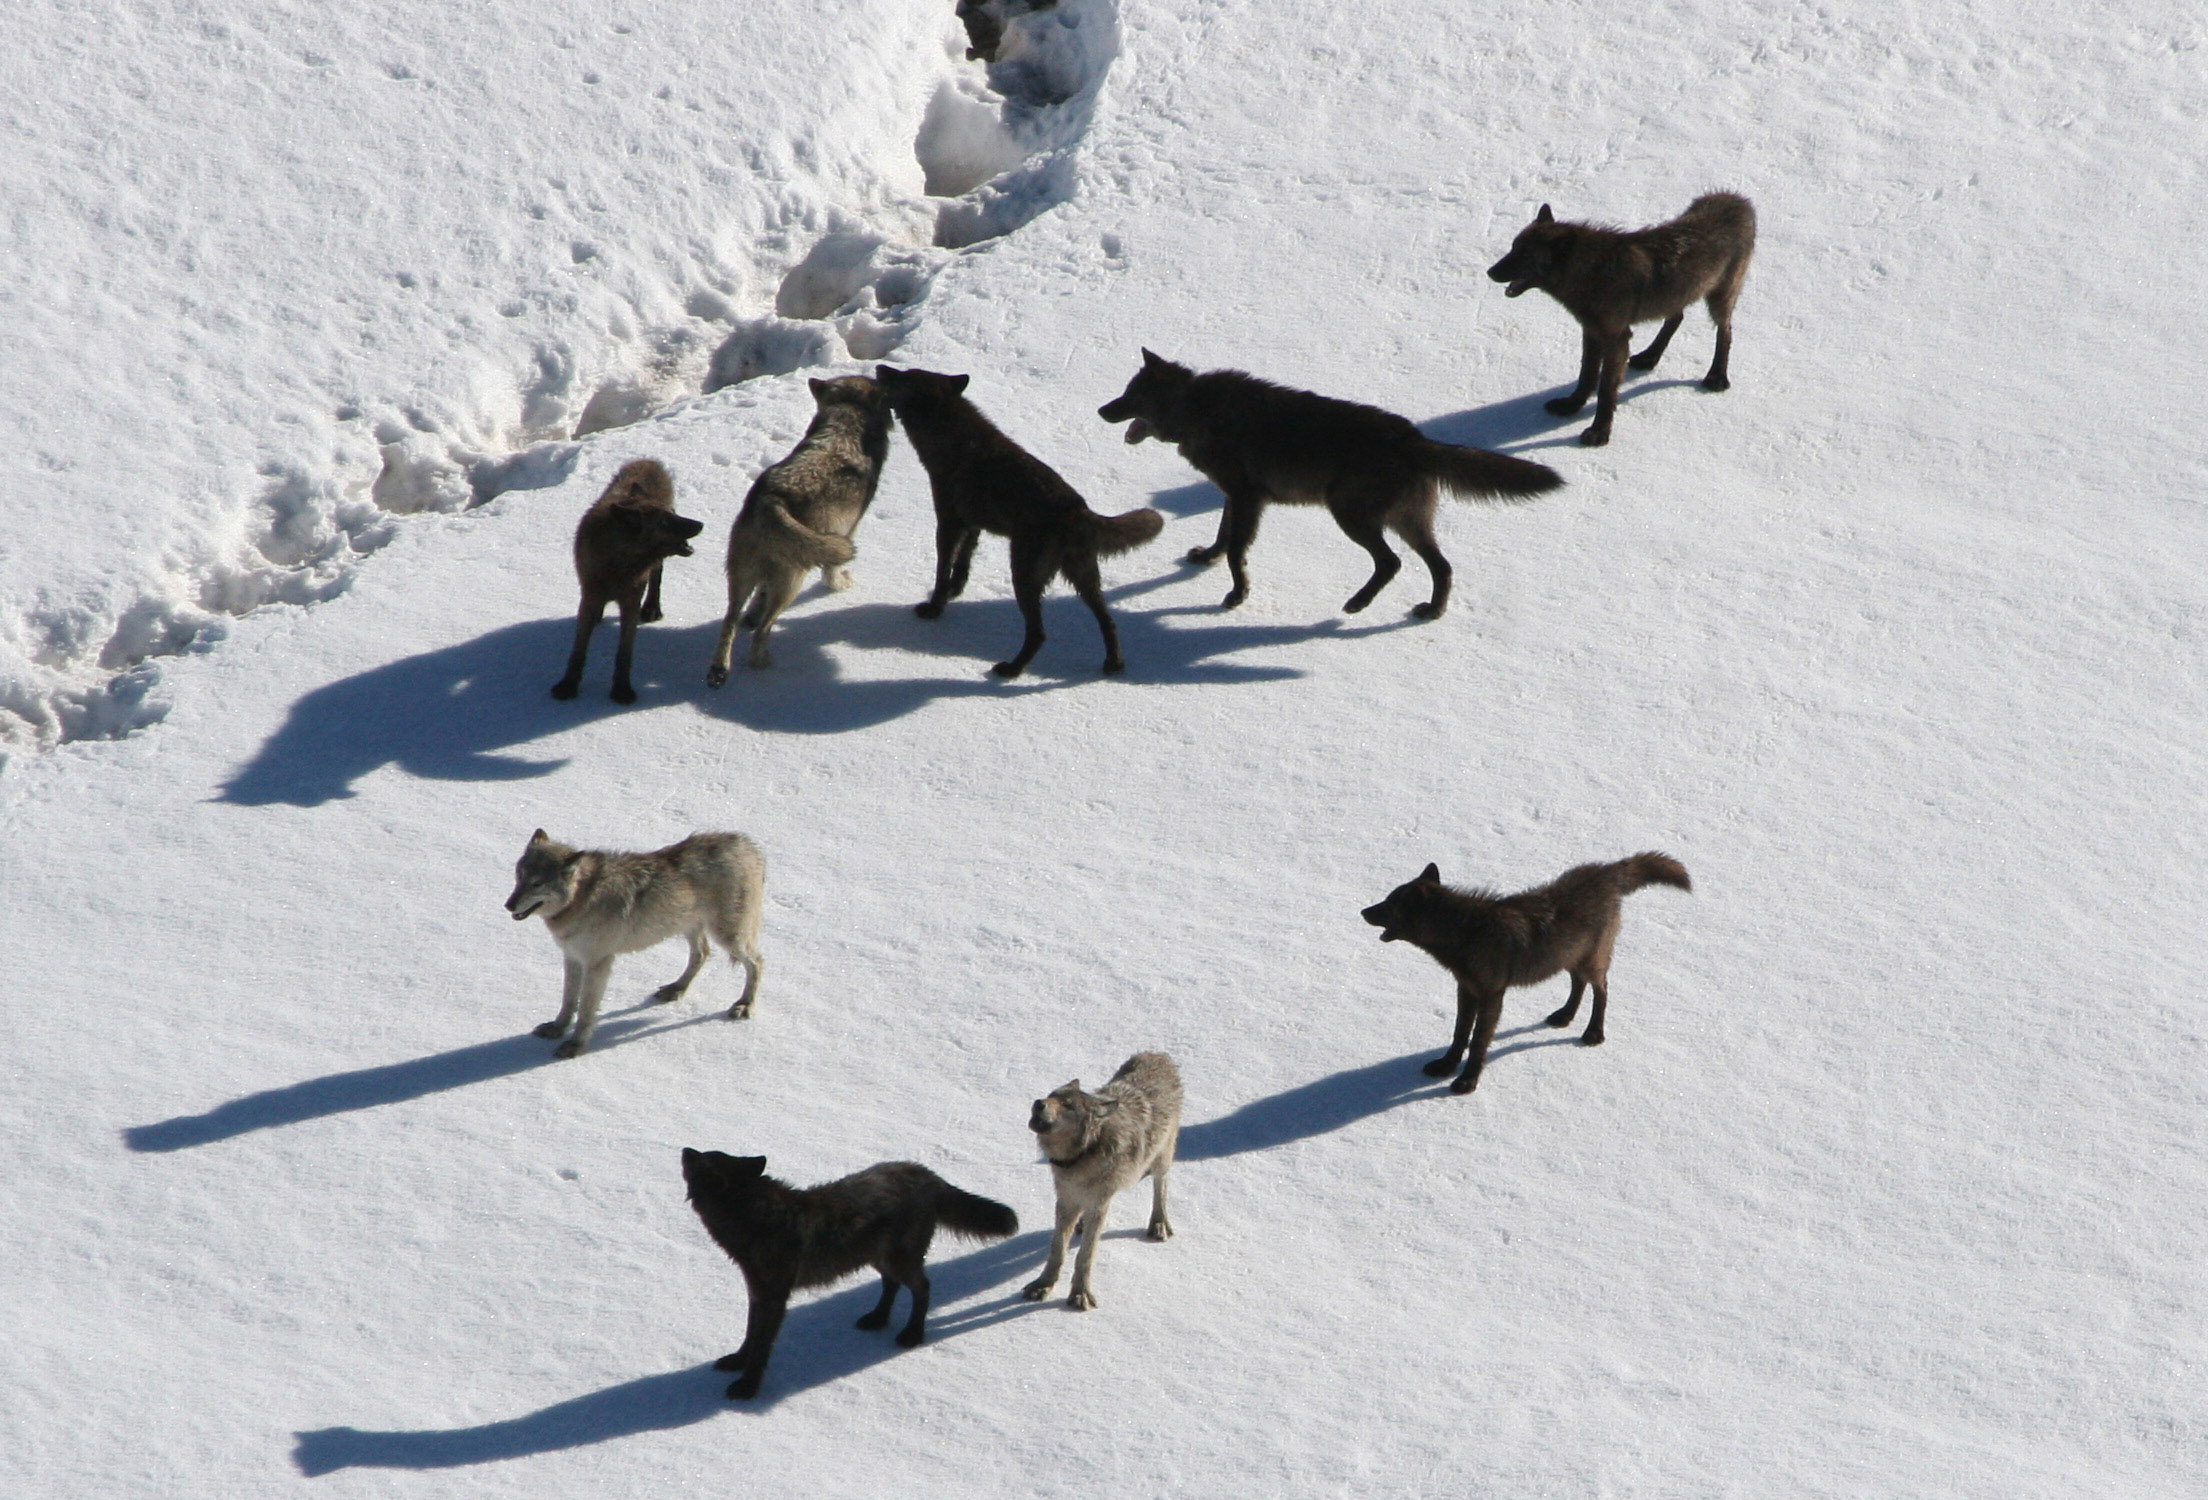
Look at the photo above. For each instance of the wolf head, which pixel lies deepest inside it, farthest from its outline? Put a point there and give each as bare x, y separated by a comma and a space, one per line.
639, 506
1065, 1120
918, 390
544, 877
1152, 399
856, 391
1535, 256
1406, 905
711, 1176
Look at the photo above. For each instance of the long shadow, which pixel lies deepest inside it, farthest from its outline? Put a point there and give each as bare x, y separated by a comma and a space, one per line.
818, 1344
1316, 1108
394, 1083
1523, 423
454, 713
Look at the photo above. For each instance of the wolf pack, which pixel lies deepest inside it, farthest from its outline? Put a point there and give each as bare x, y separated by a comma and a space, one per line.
1259, 443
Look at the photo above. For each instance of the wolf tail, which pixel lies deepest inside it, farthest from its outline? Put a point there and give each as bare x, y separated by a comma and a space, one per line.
1112, 535
1481, 475
975, 1217
792, 541
1652, 869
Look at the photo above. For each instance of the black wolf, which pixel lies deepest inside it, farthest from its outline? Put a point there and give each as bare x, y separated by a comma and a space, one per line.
1611, 279
1372, 469
1494, 943
983, 481
620, 544
785, 1239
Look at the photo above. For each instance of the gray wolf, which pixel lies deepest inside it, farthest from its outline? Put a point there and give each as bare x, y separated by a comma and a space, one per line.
1494, 943
785, 1238
1611, 279
600, 904
1098, 1144
801, 513
620, 545
983, 481
1372, 469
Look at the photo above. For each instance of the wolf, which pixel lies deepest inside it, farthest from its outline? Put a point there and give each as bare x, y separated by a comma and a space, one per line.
983, 481
801, 513
1494, 943
1097, 1144
600, 904
1372, 469
785, 1238
620, 545
1611, 279
985, 22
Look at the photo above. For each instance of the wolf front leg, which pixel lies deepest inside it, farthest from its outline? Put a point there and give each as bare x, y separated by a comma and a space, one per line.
571, 994
1069, 1214
1467, 1007
1081, 1298
586, 1020
1491, 1011
1161, 1228
761, 1324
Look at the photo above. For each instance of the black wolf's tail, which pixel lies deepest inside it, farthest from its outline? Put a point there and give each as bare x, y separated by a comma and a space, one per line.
974, 1217
1112, 535
1652, 869
1481, 475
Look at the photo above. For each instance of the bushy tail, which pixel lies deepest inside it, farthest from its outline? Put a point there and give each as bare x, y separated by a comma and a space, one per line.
791, 541
1731, 210
1652, 869
1481, 475
1112, 535
975, 1217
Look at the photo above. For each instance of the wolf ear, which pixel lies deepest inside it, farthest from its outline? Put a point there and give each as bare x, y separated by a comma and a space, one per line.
819, 388
538, 837
1071, 1088
1432, 872
690, 1155
1151, 360
958, 384
750, 1166
1544, 217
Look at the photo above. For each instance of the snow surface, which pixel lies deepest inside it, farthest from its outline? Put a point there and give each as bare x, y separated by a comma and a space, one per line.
325, 327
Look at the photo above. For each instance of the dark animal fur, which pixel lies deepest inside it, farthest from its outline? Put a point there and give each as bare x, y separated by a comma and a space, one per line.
785, 1239
619, 546
1371, 469
984, 20
983, 481
1611, 279
1494, 943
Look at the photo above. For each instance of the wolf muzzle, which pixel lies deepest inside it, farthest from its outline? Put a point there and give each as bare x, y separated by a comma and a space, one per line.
1378, 917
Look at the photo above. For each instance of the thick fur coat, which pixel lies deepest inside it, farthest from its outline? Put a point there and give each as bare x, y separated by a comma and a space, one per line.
1099, 1145
785, 1238
600, 904
1611, 279
1261, 443
1493, 943
620, 545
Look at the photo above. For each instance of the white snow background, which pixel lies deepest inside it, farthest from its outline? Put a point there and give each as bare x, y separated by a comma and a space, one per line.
321, 326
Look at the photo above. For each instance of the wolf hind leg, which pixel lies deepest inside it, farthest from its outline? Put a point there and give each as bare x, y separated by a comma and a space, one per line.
1646, 359
1353, 513
700, 949
1416, 527
1031, 570
1082, 573
754, 966
1720, 303
879, 1317
1161, 1228
774, 597
1562, 1015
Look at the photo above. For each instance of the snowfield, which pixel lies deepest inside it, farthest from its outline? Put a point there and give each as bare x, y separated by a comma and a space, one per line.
324, 331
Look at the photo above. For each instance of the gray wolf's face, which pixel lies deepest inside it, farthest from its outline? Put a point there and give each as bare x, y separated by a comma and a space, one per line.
1403, 906
867, 396
660, 533
1534, 255
1145, 398
1059, 1114
544, 878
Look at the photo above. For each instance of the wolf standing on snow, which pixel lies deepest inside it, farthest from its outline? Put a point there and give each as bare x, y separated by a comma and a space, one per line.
801, 514
1611, 279
621, 545
1371, 469
600, 904
1098, 1144
1494, 943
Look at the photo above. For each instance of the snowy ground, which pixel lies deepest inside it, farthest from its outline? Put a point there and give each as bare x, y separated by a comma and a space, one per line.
1889, 1181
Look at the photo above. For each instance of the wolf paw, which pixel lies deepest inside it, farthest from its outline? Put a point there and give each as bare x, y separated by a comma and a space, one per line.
1643, 362
570, 1048
1355, 603
1719, 384
873, 1320
1161, 1230
912, 1338
1594, 437
1234, 599
928, 609
649, 617
1427, 611
1008, 669
563, 689
1440, 1067
837, 579
760, 657
1202, 557
1036, 1291
1114, 664
1464, 1085
716, 676
732, 1362
1591, 1039
550, 1029
666, 994
1081, 1301
744, 1389
1563, 406
623, 693
740, 1011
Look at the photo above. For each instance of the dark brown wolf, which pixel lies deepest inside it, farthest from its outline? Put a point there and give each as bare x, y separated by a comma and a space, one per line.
983, 481
1372, 469
1611, 279
785, 1239
1494, 943
619, 547
801, 514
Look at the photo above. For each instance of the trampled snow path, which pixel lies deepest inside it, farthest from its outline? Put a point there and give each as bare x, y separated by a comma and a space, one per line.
1889, 1179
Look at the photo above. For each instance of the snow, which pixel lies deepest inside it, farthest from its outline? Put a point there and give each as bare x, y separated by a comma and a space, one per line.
325, 329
